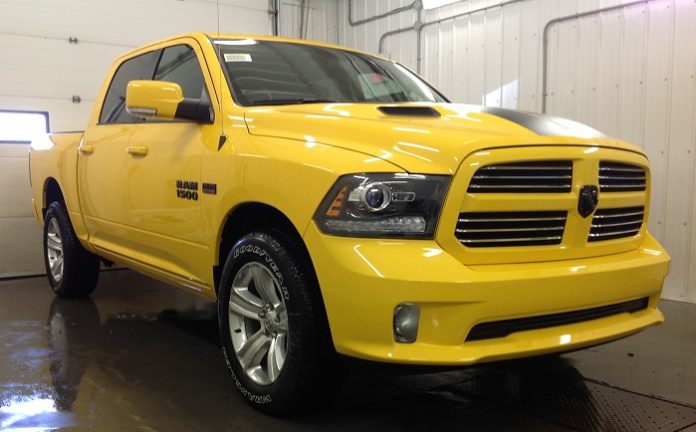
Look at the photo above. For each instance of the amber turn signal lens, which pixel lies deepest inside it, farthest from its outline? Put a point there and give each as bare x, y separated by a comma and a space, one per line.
334, 209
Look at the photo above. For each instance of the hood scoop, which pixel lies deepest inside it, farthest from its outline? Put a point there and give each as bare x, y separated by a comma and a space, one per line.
409, 111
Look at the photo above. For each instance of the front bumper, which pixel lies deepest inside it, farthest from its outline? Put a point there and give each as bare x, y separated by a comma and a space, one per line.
363, 280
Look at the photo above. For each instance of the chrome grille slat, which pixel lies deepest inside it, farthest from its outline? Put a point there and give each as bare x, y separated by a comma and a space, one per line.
515, 186
609, 224
627, 186
513, 239
497, 229
512, 167
486, 176
621, 169
608, 177
508, 229
618, 215
616, 224
614, 233
621, 177
552, 176
512, 219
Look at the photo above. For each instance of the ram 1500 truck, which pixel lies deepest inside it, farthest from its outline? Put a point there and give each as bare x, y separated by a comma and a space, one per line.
334, 203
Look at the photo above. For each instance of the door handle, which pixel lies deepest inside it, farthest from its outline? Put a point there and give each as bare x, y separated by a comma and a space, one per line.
137, 150
86, 148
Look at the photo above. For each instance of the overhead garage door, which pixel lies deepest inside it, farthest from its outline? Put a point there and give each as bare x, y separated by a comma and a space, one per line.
54, 57
20, 247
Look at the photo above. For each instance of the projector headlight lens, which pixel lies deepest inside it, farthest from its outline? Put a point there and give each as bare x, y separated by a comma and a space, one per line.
383, 205
376, 196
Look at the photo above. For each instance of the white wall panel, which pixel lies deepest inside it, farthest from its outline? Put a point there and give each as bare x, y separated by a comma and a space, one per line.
20, 244
628, 72
42, 71
40, 66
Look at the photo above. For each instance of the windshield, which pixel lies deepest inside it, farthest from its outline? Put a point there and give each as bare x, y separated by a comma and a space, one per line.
274, 73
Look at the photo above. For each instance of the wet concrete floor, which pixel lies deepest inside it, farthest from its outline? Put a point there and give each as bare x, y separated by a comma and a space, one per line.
141, 355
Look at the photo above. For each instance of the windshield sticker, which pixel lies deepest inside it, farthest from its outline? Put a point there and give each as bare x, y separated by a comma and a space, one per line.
237, 57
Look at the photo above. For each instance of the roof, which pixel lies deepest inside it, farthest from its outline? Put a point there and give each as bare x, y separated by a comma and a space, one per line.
202, 36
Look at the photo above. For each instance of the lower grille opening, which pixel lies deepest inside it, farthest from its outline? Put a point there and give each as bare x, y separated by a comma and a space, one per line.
499, 329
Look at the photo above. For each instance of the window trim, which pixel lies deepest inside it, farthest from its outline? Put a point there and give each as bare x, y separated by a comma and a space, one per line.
111, 83
205, 85
151, 75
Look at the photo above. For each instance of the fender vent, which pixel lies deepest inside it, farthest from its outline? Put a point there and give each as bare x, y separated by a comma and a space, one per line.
620, 177
412, 111
519, 177
498, 229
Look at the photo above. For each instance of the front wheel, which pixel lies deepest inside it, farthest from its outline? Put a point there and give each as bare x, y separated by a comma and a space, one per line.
72, 270
273, 337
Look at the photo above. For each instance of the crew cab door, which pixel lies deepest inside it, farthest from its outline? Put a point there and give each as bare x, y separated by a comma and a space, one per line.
102, 163
163, 187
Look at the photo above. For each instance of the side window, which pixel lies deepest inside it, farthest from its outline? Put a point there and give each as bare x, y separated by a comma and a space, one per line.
137, 68
179, 64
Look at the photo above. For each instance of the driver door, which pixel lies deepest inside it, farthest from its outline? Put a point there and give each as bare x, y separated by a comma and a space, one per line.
163, 190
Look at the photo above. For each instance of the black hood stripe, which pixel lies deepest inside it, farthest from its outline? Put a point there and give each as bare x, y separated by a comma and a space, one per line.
545, 125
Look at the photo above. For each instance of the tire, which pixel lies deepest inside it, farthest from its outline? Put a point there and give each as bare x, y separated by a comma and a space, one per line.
72, 270
275, 338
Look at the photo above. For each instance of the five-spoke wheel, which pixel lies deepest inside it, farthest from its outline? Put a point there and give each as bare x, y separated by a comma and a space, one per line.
54, 250
72, 270
258, 322
272, 326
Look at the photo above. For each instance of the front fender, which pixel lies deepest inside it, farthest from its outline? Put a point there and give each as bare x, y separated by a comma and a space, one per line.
291, 176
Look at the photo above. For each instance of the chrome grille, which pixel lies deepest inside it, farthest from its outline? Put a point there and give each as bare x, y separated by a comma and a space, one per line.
615, 223
497, 229
620, 177
519, 177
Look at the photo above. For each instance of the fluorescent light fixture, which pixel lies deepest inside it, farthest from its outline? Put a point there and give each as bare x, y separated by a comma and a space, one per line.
236, 42
433, 4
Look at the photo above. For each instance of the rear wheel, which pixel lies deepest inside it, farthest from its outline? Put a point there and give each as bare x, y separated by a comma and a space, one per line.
274, 339
72, 270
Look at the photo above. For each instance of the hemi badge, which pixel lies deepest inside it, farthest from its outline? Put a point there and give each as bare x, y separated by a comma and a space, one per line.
210, 188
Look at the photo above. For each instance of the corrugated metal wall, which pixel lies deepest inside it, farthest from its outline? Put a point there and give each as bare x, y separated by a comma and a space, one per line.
628, 72
320, 15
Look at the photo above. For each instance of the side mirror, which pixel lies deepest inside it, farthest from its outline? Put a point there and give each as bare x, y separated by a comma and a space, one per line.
164, 101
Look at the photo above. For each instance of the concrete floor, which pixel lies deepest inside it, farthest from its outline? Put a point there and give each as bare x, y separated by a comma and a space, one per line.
144, 356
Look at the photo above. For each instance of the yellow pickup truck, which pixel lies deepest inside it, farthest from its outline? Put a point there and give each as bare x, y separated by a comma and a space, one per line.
332, 202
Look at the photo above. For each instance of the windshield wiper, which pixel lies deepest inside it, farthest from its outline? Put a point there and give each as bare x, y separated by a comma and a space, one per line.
292, 101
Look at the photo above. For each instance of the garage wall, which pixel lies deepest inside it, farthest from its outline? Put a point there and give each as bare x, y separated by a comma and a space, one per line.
322, 17
41, 69
628, 72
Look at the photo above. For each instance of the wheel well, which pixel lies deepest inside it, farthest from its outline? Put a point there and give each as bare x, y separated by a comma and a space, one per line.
256, 217
52, 193
251, 217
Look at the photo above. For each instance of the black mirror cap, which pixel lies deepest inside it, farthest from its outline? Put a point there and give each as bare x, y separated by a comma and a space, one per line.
196, 110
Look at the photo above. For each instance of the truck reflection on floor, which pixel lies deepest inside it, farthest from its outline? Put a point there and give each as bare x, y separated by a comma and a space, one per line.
146, 352
163, 371
78, 339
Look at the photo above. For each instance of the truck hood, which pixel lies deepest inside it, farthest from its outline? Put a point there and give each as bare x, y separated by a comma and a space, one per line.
417, 137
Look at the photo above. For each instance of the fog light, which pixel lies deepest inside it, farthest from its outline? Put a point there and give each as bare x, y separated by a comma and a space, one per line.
406, 316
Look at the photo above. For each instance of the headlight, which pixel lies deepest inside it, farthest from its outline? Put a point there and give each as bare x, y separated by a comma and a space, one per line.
383, 205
